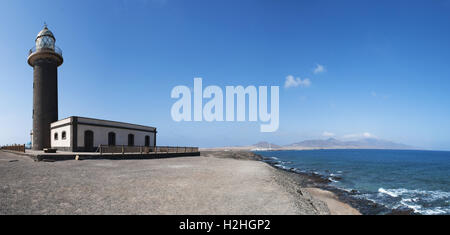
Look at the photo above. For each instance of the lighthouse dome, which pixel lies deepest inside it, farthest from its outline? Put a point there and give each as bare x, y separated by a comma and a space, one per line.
45, 39
45, 32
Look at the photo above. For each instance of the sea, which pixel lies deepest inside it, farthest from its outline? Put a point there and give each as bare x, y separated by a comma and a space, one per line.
411, 180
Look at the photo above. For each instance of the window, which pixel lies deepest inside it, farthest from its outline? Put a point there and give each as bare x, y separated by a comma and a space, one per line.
111, 138
56, 136
130, 140
63, 135
147, 141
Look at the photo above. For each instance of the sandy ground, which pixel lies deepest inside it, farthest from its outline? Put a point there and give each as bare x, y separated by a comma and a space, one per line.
335, 206
187, 185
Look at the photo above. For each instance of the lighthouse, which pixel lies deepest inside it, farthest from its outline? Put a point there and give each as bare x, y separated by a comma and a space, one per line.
45, 58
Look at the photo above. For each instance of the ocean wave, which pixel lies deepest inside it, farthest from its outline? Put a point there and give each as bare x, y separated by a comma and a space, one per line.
388, 192
332, 180
421, 201
407, 202
427, 195
282, 166
346, 189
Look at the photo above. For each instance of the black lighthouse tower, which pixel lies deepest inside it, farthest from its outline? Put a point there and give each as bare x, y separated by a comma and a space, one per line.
45, 58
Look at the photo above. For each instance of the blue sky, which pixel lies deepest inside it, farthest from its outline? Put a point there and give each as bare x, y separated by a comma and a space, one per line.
386, 65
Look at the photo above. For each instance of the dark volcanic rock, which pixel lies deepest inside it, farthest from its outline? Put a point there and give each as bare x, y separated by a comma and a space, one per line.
405, 211
242, 155
336, 178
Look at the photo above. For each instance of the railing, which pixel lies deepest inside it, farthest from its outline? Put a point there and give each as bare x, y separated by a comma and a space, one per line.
15, 147
122, 149
57, 50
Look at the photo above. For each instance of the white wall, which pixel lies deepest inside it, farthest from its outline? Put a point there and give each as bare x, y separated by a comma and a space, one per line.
101, 135
60, 142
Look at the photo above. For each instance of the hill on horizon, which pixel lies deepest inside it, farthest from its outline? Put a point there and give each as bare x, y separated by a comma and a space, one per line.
330, 143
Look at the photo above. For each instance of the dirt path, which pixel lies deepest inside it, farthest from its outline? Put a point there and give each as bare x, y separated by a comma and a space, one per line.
189, 185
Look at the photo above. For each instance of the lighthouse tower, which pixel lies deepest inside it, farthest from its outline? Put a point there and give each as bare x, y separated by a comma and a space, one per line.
45, 58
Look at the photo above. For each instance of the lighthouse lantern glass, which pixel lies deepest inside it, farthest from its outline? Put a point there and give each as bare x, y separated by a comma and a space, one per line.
45, 42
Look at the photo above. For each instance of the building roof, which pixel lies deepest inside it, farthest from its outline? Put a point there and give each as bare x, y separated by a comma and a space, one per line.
101, 122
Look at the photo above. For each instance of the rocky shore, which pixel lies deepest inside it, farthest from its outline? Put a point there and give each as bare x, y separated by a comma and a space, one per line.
319, 182
305, 188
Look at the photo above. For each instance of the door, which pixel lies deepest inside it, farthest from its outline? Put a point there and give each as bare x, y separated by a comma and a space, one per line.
130, 140
111, 138
88, 140
147, 141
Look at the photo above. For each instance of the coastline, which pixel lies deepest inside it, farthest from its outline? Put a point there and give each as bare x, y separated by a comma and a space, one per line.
317, 186
303, 186
320, 186
320, 182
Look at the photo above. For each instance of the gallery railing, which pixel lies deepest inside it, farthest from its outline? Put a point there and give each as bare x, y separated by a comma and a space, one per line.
15, 147
122, 149
57, 50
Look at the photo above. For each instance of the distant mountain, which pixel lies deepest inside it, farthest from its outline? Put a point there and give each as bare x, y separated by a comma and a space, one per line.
331, 143
264, 144
362, 143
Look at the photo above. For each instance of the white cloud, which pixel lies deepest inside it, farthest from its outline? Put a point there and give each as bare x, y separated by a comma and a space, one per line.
319, 69
295, 82
368, 135
328, 134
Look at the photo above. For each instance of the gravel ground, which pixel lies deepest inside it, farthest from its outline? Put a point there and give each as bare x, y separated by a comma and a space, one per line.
187, 185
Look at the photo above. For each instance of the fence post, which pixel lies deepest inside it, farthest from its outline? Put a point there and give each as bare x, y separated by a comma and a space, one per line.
123, 150
101, 149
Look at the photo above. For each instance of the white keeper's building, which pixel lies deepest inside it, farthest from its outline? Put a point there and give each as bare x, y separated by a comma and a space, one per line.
80, 134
